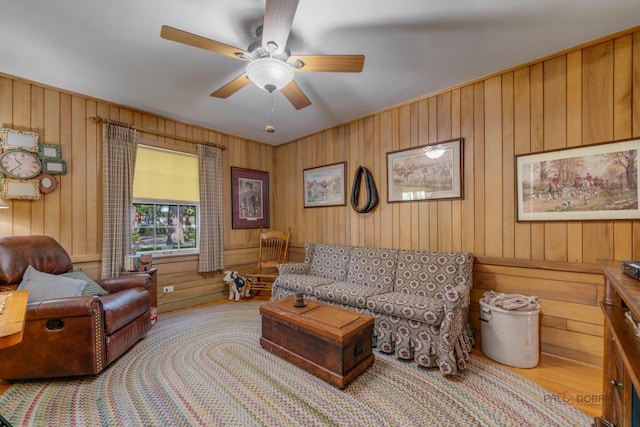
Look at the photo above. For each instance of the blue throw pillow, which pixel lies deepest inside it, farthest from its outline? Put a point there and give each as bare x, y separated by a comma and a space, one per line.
45, 286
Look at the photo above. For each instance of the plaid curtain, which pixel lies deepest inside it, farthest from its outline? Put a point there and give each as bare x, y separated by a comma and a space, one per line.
211, 221
118, 166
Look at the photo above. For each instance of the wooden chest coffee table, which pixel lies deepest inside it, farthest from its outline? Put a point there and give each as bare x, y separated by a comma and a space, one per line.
329, 342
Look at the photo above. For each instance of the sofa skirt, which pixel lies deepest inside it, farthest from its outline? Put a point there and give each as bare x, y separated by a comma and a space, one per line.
413, 340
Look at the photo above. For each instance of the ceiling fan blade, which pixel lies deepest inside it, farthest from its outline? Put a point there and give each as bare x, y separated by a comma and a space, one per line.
296, 97
180, 36
278, 17
329, 63
232, 87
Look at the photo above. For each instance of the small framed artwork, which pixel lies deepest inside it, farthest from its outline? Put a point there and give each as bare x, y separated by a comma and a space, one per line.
249, 198
28, 189
325, 186
11, 139
49, 151
47, 183
54, 166
592, 182
428, 172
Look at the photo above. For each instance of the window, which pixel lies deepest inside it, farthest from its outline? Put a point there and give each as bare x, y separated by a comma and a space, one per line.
165, 202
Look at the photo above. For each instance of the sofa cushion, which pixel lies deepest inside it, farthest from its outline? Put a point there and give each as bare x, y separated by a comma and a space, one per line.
45, 286
426, 273
91, 288
412, 307
300, 282
350, 294
375, 268
330, 261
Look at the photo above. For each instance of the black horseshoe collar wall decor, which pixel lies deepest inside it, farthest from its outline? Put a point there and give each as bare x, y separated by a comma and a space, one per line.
372, 191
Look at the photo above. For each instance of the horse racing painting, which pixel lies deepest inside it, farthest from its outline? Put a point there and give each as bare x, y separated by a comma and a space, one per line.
594, 182
428, 172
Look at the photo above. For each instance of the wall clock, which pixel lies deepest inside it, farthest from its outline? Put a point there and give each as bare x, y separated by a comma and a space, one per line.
20, 164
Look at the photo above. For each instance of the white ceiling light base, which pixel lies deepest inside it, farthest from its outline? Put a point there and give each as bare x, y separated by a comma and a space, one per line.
434, 152
269, 74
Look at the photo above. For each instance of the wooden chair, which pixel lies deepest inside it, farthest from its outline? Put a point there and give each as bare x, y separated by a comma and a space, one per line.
274, 248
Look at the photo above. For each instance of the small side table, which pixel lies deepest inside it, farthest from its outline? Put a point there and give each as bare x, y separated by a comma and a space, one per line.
12, 317
13, 312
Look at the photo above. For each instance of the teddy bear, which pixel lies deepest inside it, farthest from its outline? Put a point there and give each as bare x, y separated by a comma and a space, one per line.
236, 285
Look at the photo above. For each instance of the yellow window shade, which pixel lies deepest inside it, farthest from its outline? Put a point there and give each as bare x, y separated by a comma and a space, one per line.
165, 175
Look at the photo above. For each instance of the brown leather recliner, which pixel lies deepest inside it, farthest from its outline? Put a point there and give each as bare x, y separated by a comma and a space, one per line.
70, 336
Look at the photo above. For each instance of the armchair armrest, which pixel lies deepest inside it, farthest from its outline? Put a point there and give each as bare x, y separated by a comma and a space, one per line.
123, 307
292, 268
456, 296
63, 307
262, 275
120, 283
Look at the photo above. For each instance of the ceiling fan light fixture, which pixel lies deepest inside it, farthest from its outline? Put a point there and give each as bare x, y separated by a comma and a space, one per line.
269, 72
434, 152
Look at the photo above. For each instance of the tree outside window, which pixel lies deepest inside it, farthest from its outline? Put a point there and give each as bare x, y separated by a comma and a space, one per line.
165, 227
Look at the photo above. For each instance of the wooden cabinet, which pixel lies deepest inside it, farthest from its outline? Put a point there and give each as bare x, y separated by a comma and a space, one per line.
621, 372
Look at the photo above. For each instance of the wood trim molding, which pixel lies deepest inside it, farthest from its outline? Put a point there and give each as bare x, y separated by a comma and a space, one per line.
539, 264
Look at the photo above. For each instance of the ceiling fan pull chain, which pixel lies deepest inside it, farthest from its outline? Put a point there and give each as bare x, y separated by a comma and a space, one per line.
372, 191
269, 127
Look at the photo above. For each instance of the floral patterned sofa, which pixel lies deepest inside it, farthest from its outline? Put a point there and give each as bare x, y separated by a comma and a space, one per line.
419, 299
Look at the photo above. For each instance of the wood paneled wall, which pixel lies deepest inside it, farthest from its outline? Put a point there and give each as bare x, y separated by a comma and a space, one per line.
587, 95
72, 214
582, 97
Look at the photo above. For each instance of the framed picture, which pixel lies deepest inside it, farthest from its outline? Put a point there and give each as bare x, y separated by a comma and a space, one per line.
18, 139
49, 151
20, 189
249, 198
325, 186
54, 166
594, 182
428, 172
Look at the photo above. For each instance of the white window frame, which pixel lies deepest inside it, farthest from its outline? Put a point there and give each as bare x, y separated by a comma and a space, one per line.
168, 252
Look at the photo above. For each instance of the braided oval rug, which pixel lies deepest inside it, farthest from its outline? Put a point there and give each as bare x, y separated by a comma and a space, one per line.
204, 366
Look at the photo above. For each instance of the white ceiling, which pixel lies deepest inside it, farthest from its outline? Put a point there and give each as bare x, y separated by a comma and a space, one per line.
112, 50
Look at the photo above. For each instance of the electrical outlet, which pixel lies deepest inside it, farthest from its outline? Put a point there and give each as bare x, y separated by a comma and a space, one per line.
167, 289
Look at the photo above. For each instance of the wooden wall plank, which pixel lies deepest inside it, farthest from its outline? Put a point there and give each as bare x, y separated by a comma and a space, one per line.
478, 169
493, 196
522, 145
467, 228
597, 93
508, 167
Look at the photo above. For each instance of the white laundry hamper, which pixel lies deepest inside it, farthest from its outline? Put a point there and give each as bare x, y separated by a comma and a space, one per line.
510, 336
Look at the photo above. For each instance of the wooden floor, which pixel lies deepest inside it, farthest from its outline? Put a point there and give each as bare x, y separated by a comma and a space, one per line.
568, 381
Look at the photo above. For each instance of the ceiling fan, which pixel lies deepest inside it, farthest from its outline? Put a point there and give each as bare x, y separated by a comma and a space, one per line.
270, 64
